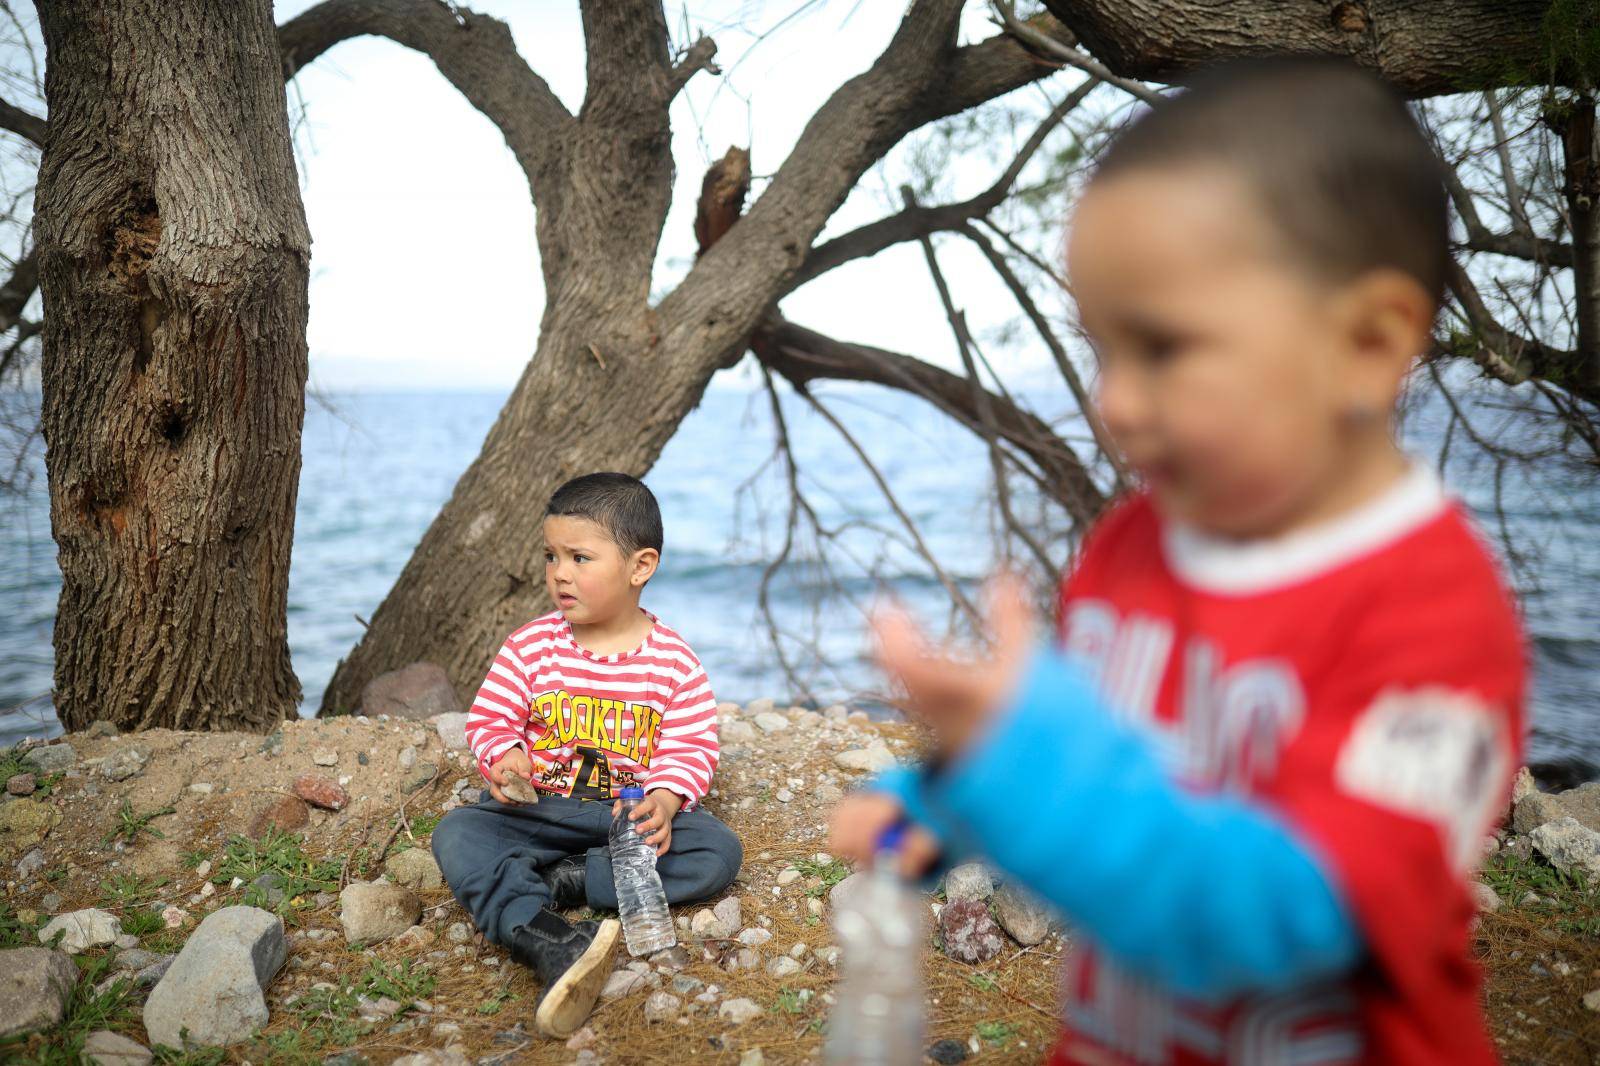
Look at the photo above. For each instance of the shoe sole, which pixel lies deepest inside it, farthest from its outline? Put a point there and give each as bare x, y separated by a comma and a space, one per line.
568, 1003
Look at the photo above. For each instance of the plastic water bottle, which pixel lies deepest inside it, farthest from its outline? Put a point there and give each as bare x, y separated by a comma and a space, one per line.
878, 1020
646, 923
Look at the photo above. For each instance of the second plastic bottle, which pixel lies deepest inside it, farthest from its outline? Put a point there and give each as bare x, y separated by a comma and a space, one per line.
641, 902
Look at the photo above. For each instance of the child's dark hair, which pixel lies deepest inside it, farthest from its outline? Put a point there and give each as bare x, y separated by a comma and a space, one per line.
617, 503
1341, 170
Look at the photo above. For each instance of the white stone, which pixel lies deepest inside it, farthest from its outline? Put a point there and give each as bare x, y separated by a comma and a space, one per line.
325, 758
661, 1007
415, 868
754, 937
374, 911
738, 1011
875, 758
771, 722
783, 966
35, 984
968, 881
1486, 898
82, 930
452, 730
105, 1048
788, 876
408, 757
622, 983
1569, 845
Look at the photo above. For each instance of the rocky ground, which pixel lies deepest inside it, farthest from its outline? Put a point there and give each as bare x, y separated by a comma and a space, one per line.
233, 897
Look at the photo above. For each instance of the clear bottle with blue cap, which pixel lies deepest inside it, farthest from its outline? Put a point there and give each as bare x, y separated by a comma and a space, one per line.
641, 902
878, 1019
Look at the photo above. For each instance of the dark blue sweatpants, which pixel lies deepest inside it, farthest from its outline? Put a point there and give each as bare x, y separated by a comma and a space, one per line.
491, 854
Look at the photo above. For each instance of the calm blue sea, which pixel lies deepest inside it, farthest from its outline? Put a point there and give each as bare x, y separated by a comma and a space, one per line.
377, 467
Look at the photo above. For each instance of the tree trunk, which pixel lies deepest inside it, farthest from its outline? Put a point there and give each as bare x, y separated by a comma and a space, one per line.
173, 258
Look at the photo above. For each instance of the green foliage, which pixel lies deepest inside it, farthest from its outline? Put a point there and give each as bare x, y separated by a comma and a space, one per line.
404, 982
1573, 901
192, 859
981, 981
142, 923
14, 932
124, 889
792, 1000
129, 824
998, 1034
12, 764
831, 873
189, 1056
493, 1004
280, 853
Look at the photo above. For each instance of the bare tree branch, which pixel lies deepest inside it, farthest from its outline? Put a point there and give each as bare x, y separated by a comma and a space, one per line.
18, 290
916, 222
803, 355
1508, 356
474, 52
699, 56
31, 127
1581, 155
1067, 53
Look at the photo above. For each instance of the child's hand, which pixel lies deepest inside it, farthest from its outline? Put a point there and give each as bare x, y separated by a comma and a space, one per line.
515, 761
858, 822
653, 817
957, 694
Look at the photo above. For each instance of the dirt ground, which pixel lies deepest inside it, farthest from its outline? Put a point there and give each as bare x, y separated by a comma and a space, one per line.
1541, 948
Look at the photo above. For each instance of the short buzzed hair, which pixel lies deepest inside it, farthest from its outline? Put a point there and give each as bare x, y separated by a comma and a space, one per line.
618, 503
1341, 171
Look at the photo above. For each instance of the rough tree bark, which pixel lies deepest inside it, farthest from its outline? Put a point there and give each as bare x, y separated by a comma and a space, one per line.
173, 261
1425, 47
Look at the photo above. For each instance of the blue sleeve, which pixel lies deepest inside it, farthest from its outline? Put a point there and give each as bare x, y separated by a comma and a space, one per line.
1209, 895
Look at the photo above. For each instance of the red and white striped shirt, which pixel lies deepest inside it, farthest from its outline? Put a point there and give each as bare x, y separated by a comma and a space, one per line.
593, 724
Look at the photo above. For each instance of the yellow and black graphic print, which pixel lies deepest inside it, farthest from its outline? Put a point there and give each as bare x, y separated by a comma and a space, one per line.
600, 728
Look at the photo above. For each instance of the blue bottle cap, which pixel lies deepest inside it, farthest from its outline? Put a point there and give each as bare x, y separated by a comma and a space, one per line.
633, 792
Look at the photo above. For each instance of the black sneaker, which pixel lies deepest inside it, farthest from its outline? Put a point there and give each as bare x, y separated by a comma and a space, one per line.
572, 961
566, 879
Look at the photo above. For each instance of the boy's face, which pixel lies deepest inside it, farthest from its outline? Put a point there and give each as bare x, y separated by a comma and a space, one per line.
1227, 377
587, 575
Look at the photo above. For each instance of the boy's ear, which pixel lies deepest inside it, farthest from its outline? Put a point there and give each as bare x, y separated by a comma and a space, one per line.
645, 561
1387, 323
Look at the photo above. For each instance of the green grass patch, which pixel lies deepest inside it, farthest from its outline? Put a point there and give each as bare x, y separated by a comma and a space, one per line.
142, 922
121, 890
493, 1004
130, 824
16, 933
11, 764
830, 872
404, 982
1573, 902
981, 981
280, 853
792, 1000
997, 1034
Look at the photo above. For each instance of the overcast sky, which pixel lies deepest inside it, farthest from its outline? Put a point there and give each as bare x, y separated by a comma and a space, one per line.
424, 267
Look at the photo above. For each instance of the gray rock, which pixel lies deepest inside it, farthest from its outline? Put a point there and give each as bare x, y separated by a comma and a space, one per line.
684, 985
948, 1052
1522, 785
415, 692
788, 877
53, 757
214, 987
1536, 809
740, 732
101, 728
450, 1056
452, 729
671, 960
127, 761
408, 757
760, 706
458, 933
623, 983
753, 1057
738, 1011
729, 914
30, 863
1569, 845
1021, 915
970, 934
968, 881
21, 785
771, 722
661, 1007
415, 868
875, 758
755, 936
105, 1048
34, 986
375, 911
743, 959
325, 758
271, 886
783, 966
82, 930
1583, 803
1486, 898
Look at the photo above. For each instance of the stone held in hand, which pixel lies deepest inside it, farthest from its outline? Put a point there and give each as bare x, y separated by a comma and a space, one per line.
519, 791
321, 792
415, 692
214, 988
375, 911
970, 934
35, 984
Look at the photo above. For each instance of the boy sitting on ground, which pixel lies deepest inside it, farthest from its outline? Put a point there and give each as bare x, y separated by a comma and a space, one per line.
1288, 700
580, 703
